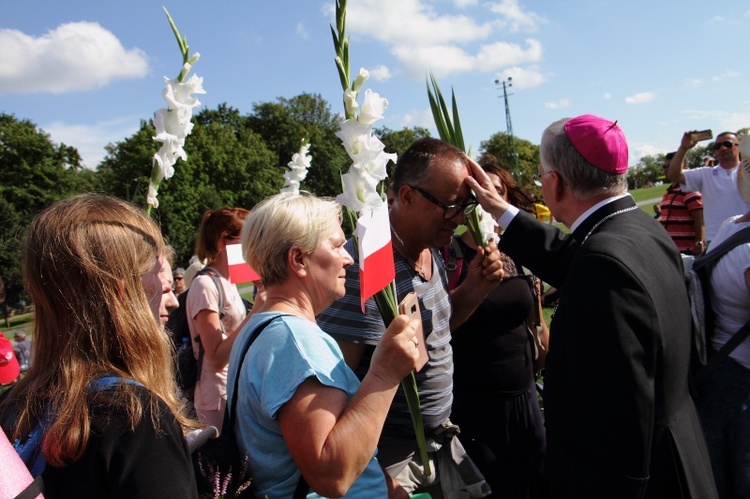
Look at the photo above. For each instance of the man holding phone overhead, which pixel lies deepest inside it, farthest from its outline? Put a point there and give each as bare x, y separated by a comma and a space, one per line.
429, 199
717, 184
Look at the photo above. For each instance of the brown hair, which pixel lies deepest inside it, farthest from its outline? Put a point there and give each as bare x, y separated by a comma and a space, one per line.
415, 165
216, 225
517, 195
84, 258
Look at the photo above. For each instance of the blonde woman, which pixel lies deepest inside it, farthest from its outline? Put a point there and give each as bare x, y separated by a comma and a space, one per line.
101, 381
301, 412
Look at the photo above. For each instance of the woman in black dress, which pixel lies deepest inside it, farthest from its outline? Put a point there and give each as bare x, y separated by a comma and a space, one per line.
496, 360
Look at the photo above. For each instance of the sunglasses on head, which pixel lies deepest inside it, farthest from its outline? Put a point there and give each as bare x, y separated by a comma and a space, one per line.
727, 143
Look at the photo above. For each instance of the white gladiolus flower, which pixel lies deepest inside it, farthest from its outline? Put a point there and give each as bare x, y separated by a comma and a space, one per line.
297, 168
372, 108
151, 196
360, 192
173, 124
486, 225
350, 102
360, 79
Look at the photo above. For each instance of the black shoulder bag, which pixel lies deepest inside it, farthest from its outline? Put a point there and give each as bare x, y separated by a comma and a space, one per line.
223, 451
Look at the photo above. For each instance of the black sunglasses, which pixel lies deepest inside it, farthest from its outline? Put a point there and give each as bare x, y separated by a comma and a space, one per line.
451, 211
727, 143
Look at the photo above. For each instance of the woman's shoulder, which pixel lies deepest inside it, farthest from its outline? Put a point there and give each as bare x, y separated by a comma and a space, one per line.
113, 404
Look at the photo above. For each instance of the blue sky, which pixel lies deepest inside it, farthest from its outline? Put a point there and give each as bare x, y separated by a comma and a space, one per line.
87, 72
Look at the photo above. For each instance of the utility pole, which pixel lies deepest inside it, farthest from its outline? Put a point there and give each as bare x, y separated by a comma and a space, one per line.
509, 125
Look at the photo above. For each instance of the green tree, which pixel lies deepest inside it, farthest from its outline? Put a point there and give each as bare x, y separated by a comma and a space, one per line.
399, 141
528, 158
34, 172
228, 165
284, 124
648, 170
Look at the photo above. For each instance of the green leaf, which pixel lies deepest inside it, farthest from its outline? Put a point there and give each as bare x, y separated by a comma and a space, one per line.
440, 124
458, 134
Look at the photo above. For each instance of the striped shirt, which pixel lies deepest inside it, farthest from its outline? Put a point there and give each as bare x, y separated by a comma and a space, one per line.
677, 207
345, 321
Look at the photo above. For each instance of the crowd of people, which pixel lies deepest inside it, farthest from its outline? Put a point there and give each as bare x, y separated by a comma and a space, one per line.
319, 412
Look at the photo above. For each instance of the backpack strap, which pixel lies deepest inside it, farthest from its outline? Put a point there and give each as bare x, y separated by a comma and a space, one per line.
30, 449
32, 490
227, 425
703, 266
222, 311
453, 255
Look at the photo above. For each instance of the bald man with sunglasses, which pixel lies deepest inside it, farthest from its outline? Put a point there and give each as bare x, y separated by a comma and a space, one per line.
717, 184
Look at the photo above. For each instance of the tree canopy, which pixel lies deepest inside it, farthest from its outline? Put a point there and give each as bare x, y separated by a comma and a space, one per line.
233, 160
34, 172
528, 158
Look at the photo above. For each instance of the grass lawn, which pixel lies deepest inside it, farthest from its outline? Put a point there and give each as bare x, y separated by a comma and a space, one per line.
648, 193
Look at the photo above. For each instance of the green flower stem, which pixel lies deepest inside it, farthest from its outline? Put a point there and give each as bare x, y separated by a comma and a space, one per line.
386, 301
386, 298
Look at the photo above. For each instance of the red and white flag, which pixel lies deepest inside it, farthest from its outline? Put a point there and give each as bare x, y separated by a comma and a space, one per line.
376, 266
239, 270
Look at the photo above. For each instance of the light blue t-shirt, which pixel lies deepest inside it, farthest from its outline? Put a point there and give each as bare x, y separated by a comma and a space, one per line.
287, 352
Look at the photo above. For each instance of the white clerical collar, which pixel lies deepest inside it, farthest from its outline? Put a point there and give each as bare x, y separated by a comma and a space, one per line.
591, 210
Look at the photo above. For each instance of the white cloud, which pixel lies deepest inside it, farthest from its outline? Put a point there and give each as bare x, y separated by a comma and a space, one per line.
734, 121
607, 95
726, 75
302, 30
419, 118
380, 73
466, 3
641, 98
562, 103
72, 57
513, 17
528, 77
423, 40
640, 150
90, 140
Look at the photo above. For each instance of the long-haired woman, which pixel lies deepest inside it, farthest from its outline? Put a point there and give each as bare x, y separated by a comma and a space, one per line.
101, 384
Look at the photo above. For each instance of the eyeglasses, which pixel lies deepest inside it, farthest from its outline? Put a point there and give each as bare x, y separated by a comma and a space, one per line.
451, 211
727, 143
178, 278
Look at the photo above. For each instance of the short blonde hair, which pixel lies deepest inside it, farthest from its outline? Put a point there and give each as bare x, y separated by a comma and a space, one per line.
280, 222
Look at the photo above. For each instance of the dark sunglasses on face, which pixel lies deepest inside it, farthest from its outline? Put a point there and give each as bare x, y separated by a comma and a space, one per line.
451, 211
178, 278
727, 143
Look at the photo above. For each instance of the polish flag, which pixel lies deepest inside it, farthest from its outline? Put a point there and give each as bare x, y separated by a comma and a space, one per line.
376, 267
239, 270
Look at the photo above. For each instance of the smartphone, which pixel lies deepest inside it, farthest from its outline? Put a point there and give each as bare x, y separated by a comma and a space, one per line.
702, 135
410, 306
